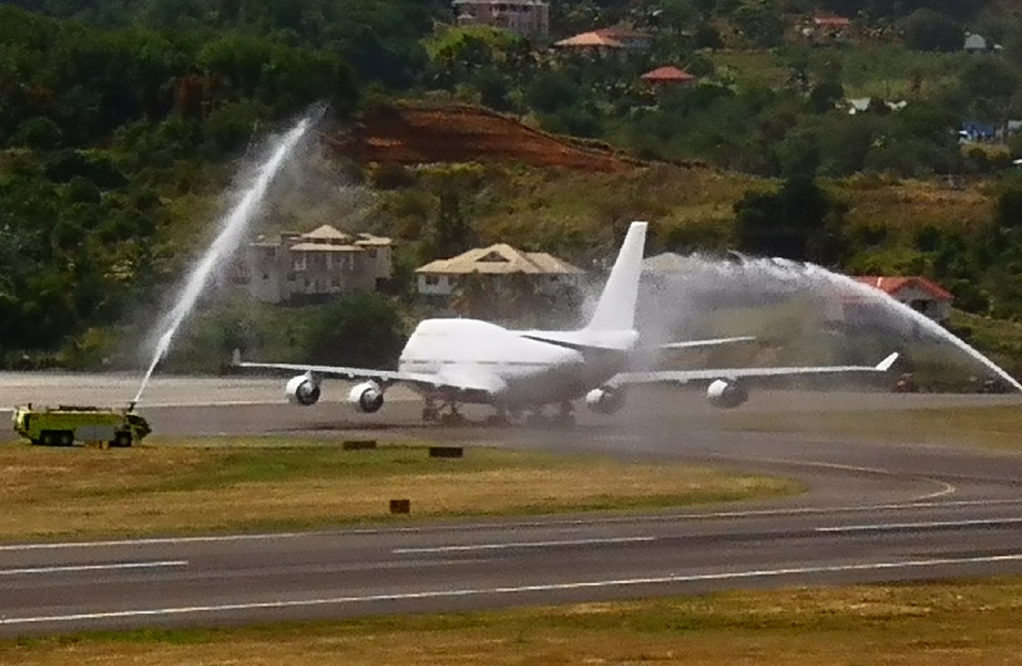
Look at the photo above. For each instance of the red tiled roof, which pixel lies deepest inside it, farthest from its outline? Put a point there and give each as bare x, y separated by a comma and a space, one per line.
892, 285
667, 74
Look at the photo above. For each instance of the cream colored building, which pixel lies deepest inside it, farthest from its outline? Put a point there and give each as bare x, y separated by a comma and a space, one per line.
314, 264
497, 264
529, 18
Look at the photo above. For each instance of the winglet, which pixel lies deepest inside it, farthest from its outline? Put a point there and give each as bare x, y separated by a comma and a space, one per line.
886, 364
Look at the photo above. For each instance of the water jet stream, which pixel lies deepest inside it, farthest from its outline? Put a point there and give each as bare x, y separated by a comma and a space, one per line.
740, 278
234, 225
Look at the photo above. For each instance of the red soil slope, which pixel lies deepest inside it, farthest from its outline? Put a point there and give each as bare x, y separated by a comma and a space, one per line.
460, 133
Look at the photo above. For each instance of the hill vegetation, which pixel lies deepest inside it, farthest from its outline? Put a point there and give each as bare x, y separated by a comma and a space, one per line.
120, 124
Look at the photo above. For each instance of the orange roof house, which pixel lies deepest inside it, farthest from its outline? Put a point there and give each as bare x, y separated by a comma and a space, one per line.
668, 76
589, 40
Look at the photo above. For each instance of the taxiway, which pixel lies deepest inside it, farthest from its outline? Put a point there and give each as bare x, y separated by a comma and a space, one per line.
875, 511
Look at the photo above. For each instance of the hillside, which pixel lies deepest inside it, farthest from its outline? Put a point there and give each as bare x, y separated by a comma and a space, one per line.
428, 134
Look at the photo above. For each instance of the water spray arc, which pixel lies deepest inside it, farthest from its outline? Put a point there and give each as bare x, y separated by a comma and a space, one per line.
233, 229
781, 277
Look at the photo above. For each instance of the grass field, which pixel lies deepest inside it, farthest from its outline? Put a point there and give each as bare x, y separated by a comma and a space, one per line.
232, 485
906, 625
994, 427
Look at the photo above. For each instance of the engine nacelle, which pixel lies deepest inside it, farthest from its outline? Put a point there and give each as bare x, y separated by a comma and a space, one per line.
727, 395
302, 390
367, 397
605, 400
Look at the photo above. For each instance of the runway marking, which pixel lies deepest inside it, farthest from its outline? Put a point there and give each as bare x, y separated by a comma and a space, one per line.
523, 544
886, 527
520, 589
945, 487
93, 567
510, 525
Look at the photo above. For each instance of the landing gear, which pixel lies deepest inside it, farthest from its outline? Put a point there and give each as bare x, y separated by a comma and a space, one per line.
566, 416
433, 413
501, 418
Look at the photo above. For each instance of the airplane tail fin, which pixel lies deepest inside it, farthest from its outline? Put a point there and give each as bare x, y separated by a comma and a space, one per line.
615, 310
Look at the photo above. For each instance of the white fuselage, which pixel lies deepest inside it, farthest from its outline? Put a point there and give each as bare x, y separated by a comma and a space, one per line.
509, 370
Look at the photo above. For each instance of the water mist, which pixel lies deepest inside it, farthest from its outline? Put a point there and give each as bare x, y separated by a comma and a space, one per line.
697, 281
233, 227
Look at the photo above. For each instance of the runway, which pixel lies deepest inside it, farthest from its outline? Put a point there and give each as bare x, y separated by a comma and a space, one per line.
874, 512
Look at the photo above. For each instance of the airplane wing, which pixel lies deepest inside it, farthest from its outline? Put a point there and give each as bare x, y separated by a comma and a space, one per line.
713, 342
686, 376
461, 382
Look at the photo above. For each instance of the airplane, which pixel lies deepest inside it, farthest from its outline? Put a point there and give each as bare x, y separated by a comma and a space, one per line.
468, 361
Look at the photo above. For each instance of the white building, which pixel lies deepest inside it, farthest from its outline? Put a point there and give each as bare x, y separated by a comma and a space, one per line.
318, 263
529, 18
498, 263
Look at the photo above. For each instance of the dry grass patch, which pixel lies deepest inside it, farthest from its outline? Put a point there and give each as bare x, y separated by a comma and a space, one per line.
234, 486
910, 625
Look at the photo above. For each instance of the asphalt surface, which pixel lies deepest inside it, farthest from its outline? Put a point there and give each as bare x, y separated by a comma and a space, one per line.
874, 512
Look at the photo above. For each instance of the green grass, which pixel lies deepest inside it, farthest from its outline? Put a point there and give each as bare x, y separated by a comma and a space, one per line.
926, 624
239, 484
995, 427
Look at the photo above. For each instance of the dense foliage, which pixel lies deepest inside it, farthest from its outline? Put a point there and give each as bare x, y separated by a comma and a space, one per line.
119, 120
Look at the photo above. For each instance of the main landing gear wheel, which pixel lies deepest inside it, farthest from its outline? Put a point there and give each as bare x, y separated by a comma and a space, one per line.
431, 413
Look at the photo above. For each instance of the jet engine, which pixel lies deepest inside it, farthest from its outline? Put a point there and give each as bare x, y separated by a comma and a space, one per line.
727, 395
605, 400
302, 390
367, 397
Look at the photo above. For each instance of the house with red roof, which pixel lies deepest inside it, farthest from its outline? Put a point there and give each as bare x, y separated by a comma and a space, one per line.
852, 306
825, 26
919, 293
668, 76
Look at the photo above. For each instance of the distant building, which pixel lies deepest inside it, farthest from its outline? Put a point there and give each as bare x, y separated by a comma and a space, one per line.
590, 41
976, 131
825, 27
312, 265
620, 38
629, 38
863, 104
919, 293
529, 18
496, 264
923, 295
668, 76
975, 43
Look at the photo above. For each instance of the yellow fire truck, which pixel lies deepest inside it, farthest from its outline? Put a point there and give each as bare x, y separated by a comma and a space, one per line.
67, 424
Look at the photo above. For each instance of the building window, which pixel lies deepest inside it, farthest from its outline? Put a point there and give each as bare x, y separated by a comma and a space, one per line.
299, 263
372, 254
432, 280
337, 283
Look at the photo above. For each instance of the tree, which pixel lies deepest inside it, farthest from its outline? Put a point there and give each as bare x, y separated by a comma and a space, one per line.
760, 23
801, 221
361, 329
927, 30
